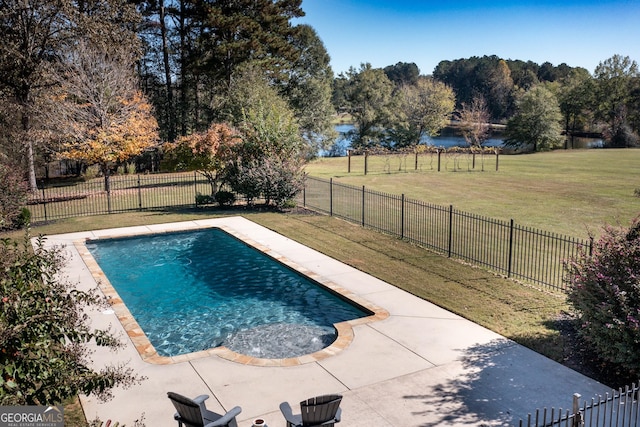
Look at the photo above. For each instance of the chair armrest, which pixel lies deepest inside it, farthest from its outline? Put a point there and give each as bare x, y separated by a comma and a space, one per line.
288, 415
226, 418
200, 398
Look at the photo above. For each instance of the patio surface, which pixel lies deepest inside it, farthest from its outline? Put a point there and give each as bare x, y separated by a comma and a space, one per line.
420, 365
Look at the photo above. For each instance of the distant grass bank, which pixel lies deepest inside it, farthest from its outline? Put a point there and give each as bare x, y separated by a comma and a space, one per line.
570, 192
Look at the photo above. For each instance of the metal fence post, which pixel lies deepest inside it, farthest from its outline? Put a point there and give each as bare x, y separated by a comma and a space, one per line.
44, 202
450, 229
402, 217
195, 187
330, 196
139, 194
510, 248
363, 194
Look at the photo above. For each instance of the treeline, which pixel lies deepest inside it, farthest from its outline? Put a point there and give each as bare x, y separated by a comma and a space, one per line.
605, 102
101, 81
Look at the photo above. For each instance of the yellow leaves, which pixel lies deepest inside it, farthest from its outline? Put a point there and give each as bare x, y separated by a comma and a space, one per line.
125, 131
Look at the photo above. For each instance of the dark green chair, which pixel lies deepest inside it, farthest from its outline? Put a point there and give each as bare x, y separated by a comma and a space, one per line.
193, 412
317, 411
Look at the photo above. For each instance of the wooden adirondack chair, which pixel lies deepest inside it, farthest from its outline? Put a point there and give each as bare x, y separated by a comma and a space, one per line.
316, 411
193, 412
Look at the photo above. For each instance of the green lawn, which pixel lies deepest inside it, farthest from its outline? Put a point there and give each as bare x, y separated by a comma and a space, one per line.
568, 192
572, 192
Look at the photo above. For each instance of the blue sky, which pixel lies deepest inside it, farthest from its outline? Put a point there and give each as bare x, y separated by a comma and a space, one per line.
578, 33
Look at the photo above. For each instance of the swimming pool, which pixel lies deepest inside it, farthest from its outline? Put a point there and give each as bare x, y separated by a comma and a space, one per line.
199, 289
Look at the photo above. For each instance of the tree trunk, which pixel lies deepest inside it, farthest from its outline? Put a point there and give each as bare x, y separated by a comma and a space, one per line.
171, 133
107, 175
26, 120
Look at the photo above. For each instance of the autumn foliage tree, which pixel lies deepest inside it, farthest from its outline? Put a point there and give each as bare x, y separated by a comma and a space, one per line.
104, 117
205, 152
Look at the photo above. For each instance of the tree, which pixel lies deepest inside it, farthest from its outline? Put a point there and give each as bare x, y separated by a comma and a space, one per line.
206, 152
30, 33
369, 96
575, 98
605, 293
237, 32
44, 329
271, 150
474, 122
424, 109
403, 73
105, 119
308, 90
500, 90
35, 35
614, 79
536, 122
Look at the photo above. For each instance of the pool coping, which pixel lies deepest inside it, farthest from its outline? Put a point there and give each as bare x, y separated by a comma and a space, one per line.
147, 351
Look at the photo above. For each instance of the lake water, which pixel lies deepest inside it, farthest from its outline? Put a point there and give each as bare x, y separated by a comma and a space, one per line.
449, 137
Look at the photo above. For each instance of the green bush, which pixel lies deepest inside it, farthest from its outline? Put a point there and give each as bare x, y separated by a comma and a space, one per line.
203, 199
12, 197
225, 198
605, 292
43, 331
24, 219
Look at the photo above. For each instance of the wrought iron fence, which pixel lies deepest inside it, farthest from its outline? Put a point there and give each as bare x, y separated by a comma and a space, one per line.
616, 409
519, 252
516, 251
125, 193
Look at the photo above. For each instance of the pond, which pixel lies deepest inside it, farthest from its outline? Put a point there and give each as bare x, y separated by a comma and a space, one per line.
449, 137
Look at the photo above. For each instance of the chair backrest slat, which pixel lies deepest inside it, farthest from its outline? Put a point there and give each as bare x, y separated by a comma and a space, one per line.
320, 409
188, 409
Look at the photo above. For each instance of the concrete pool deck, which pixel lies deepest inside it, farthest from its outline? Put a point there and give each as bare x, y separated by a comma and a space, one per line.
420, 366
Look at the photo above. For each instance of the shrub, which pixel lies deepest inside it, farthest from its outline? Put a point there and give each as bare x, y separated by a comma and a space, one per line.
605, 293
277, 181
44, 329
225, 198
203, 199
12, 197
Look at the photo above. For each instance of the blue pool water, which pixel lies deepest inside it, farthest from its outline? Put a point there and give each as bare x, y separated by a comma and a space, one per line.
194, 290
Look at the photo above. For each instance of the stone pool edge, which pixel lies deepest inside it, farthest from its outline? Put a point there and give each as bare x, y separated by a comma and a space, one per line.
149, 354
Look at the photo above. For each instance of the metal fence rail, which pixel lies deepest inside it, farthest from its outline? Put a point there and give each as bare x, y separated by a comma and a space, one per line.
520, 252
618, 409
126, 193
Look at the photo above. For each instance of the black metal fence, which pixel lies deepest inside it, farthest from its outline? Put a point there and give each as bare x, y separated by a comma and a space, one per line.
515, 251
126, 193
519, 252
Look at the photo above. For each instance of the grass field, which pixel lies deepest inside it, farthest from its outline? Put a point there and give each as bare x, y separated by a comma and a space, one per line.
565, 192
572, 192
